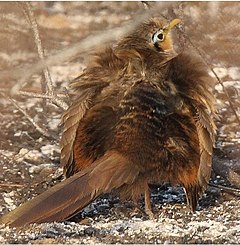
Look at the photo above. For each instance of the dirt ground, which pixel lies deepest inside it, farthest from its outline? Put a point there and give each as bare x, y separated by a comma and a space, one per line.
29, 161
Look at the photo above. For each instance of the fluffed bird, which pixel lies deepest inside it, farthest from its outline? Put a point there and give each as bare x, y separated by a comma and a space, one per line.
144, 115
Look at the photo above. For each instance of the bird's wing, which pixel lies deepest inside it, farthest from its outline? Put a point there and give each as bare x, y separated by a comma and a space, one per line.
193, 85
70, 121
205, 127
193, 82
206, 133
94, 81
203, 107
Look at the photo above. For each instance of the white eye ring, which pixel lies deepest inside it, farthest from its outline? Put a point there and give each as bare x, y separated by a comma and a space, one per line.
158, 36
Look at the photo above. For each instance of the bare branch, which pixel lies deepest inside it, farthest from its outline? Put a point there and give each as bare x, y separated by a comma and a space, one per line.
214, 73
181, 25
53, 96
227, 189
38, 44
37, 95
43, 83
11, 185
39, 128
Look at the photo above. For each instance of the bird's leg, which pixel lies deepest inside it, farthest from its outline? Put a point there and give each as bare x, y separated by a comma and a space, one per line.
147, 199
185, 191
137, 207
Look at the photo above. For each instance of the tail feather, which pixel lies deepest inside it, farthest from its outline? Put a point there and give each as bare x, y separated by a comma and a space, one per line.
73, 194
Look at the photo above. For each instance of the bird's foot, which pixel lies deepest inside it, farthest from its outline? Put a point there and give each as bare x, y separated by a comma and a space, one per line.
149, 213
137, 211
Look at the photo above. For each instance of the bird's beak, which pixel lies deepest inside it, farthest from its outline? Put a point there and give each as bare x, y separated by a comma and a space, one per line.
173, 23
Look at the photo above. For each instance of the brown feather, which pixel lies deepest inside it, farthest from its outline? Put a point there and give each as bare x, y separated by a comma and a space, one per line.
194, 84
70, 120
145, 115
62, 200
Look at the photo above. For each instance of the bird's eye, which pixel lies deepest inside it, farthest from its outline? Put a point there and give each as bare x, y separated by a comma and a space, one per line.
158, 36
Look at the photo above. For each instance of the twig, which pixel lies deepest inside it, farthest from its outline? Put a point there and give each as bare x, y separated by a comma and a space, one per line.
11, 185
181, 25
226, 92
7, 157
53, 96
39, 128
214, 73
44, 100
226, 189
38, 44
43, 83
37, 95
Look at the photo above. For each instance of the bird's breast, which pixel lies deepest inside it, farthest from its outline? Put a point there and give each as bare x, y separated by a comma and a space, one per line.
153, 132
144, 116
146, 106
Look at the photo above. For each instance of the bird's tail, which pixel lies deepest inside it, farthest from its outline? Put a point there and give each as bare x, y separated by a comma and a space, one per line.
73, 194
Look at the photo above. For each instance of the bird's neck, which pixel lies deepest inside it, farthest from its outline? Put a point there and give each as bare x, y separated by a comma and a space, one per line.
146, 61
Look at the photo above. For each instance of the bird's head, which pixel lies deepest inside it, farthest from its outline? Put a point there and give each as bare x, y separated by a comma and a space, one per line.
160, 36
152, 35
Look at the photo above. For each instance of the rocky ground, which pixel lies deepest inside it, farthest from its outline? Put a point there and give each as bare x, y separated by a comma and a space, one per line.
29, 161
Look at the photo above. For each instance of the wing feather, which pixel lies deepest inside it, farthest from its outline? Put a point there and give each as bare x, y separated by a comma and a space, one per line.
70, 121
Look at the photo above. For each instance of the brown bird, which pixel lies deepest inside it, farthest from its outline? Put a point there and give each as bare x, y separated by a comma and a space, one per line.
144, 115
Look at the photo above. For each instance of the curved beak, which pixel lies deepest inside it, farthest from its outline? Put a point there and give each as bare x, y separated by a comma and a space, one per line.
173, 23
